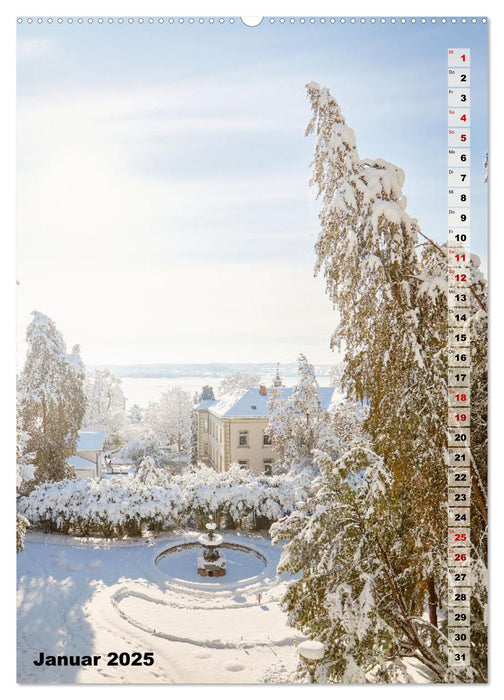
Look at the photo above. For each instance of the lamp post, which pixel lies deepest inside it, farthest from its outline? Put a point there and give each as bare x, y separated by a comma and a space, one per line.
312, 653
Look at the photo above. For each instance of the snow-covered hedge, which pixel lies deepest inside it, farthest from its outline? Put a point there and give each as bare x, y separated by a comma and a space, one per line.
155, 500
119, 505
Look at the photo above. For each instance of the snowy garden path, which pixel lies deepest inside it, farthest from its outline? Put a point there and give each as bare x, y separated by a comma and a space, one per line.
94, 597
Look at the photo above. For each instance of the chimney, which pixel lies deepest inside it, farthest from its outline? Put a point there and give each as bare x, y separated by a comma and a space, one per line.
262, 390
207, 394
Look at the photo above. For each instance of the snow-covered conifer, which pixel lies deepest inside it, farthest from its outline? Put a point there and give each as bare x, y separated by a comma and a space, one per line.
51, 398
307, 415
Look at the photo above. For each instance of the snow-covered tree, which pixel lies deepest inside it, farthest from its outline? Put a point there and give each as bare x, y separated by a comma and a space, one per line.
194, 439
308, 418
336, 374
279, 427
105, 409
51, 398
25, 473
389, 283
170, 418
25, 469
22, 524
135, 414
297, 424
149, 473
138, 447
367, 249
238, 380
353, 591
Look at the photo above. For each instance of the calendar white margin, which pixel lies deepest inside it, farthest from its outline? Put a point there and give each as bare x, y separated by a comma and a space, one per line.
7, 294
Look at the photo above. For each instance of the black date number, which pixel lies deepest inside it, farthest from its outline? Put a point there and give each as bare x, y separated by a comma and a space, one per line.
136, 658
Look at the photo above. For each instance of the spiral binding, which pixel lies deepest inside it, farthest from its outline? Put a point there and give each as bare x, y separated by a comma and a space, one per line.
237, 20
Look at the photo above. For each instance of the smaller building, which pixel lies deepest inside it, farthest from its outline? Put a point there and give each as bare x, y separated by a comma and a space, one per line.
86, 460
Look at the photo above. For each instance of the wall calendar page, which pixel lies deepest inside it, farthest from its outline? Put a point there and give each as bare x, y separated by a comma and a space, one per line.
251, 416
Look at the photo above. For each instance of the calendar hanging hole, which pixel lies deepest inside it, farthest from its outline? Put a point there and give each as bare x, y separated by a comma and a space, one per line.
251, 21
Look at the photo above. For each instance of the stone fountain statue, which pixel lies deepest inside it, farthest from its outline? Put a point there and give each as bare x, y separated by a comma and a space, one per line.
211, 563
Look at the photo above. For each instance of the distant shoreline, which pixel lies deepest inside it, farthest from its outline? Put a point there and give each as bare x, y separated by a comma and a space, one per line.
174, 371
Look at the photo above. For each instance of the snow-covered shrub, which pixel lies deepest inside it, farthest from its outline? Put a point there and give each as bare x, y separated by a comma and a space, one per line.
155, 500
22, 525
119, 505
138, 448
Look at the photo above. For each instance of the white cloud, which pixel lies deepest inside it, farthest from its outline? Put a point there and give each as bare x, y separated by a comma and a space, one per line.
103, 249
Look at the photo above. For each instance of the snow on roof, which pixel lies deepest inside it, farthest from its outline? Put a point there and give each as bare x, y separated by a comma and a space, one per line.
206, 404
78, 462
250, 403
87, 442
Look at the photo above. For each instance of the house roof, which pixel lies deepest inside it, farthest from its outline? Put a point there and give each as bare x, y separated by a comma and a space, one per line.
88, 442
207, 403
250, 403
78, 462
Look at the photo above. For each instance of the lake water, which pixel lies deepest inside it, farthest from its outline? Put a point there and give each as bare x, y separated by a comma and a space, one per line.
142, 390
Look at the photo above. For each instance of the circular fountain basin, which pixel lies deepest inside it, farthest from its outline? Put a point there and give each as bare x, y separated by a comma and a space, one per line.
207, 542
180, 563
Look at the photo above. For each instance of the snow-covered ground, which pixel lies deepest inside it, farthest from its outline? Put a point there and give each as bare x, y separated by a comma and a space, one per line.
93, 597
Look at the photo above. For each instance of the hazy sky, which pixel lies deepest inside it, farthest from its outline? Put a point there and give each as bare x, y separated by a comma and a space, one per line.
164, 213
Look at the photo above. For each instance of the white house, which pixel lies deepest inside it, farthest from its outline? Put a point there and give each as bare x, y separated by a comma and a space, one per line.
232, 429
86, 459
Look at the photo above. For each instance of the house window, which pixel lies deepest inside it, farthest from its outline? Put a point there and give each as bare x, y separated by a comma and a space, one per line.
205, 424
268, 466
243, 463
243, 438
266, 440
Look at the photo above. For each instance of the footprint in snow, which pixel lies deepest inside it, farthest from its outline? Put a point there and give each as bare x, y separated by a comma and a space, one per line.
59, 563
94, 564
234, 666
74, 567
203, 656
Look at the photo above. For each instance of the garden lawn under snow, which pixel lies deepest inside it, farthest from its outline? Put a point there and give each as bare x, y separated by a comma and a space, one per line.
95, 596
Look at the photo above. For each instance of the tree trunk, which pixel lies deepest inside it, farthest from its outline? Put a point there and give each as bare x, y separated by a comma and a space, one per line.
433, 601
